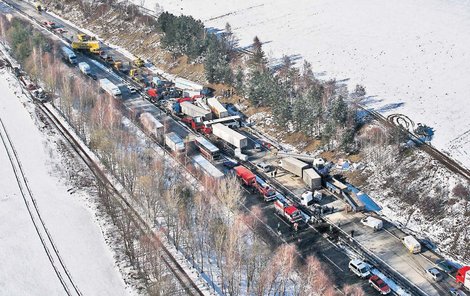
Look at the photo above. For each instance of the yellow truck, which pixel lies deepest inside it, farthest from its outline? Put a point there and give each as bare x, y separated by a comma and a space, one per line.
139, 62
91, 46
85, 37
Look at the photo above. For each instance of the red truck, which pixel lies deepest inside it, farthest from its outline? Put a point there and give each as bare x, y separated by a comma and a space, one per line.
269, 194
245, 175
463, 276
288, 211
196, 124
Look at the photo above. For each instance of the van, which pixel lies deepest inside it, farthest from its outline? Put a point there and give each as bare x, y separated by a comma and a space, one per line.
359, 267
84, 68
412, 244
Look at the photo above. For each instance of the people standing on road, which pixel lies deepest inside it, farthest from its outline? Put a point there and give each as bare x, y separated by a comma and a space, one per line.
275, 173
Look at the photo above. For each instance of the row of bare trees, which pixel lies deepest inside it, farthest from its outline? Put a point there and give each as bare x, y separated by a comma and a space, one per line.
203, 221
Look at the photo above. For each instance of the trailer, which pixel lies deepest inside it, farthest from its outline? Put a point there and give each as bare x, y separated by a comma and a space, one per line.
294, 165
68, 55
229, 135
312, 179
110, 87
217, 108
207, 148
230, 121
152, 125
372, 222
208, 168
195, 111
84, 68
175, 143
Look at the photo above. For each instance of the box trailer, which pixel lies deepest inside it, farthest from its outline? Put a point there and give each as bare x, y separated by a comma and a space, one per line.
175, 143
229, 135
312, 179
412, 244
294, 165
372, 222
217, 108
208, 168
68, 55
152, 125
195, 111
110, 87
84, 68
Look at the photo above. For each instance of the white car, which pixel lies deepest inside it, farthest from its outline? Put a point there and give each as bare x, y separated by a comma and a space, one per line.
434, 274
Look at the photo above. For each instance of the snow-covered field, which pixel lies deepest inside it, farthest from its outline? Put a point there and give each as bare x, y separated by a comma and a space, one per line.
25, 269
412, 56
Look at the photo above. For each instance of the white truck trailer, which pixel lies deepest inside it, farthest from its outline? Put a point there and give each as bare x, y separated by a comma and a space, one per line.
229, 135
294, 165
372, 222
217, 108
152, 125
195, 111
84, 68
175, 143
208, 168
110, 87
68, 55
312, 179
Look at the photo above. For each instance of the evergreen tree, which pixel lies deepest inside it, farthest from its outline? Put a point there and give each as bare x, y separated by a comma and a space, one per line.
258, 59
339, 111
239, 81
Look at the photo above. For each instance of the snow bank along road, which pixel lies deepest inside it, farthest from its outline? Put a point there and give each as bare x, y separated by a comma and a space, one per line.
412, 56
50, 243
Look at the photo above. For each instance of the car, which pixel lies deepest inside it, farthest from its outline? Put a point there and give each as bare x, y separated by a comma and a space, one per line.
359, 267
264, 167
258, 147
457, 292
131, 89
434, 274
446, 266
378, 284
230, 164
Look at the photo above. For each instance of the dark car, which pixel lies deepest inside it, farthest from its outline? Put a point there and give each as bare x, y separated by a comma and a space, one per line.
378, 284
230, 164
446, 266
457, 292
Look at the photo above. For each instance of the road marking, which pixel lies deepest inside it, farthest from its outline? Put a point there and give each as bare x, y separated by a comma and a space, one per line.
331, 261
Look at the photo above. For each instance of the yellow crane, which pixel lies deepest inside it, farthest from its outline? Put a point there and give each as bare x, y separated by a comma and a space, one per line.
92, 46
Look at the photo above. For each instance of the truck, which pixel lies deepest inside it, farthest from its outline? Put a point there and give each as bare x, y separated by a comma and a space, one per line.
91, 46
287, 211
152, 125
195, 111
245, 175
308, 197
264, 189
312, 178
293, 165
412, 244
174, 142
463, 276
372, 222
217, 108
84, 68
229, 135
110, 87
196, 124
68, 55
208, 168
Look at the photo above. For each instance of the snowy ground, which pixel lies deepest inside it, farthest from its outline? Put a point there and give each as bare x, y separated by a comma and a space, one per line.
412, 56
25, 269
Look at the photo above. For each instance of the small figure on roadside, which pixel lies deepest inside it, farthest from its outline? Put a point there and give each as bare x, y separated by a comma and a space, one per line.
352, 233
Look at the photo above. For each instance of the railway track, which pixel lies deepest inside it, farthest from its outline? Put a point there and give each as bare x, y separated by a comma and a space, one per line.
189, 286
68, 283
444, 159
